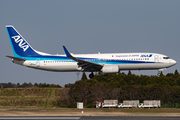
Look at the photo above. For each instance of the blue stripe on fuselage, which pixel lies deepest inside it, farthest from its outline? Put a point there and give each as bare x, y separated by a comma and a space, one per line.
93, 60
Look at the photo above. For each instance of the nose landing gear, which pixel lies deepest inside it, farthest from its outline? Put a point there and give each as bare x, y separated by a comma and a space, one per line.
160, 70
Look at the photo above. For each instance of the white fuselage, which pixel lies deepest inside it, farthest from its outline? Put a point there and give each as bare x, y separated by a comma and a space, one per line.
125, 61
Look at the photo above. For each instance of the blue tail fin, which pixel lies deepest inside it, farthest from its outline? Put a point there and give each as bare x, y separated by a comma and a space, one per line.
20, 46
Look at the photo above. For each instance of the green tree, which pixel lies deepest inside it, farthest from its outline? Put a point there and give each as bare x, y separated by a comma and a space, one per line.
36, 85
18, 85
176, 72
84, 77
161, 74
123, 87
129, 73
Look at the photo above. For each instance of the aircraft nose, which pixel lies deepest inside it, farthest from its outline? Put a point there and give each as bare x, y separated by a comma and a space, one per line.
173, 62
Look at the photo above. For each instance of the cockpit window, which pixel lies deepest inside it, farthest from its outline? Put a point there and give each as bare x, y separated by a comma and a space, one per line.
166, 58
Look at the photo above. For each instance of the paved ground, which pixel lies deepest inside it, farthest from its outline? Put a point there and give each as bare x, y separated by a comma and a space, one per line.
89, 112
91, 118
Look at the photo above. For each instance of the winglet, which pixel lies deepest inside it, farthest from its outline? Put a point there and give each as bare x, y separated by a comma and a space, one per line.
67, 52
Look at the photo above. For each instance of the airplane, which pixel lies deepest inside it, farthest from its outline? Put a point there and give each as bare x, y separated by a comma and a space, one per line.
26, 56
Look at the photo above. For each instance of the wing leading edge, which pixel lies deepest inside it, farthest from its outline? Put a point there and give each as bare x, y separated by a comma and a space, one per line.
86, 65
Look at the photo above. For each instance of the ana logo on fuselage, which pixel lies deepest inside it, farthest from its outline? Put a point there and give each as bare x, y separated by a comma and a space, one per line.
21, 42
146, 55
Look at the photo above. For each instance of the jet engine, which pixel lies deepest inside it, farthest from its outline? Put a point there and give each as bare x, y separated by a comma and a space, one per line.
110, 69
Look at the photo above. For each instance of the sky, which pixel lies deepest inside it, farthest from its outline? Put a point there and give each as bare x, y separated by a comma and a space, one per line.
88, 26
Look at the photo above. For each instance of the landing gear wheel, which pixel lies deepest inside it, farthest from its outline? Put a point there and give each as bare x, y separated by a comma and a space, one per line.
159, 72
91, 75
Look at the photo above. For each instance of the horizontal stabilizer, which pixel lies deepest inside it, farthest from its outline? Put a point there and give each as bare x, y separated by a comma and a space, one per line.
16, 58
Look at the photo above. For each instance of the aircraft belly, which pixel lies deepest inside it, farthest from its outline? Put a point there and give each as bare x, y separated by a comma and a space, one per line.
146, 66
60, 67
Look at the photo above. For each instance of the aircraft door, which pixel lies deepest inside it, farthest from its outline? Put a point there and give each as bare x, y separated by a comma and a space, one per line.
156, 58
37, 62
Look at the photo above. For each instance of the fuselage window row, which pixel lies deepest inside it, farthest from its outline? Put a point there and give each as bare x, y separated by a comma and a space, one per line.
97, 60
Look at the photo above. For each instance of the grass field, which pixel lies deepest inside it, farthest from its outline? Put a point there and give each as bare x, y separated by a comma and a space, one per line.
39, 102
28, 97
41, 98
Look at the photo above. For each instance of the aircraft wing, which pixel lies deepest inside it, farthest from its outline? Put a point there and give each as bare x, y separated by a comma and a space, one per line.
86, 65
16, 58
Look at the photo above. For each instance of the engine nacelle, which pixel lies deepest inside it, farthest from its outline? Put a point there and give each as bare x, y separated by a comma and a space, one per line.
110, 69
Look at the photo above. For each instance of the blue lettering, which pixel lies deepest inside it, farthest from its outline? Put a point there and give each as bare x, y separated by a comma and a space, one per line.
146, 55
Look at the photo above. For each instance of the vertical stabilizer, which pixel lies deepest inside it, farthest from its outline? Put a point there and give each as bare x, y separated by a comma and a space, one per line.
20, 46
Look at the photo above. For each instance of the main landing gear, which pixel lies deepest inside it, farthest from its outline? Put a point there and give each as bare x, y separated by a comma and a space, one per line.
91, 75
